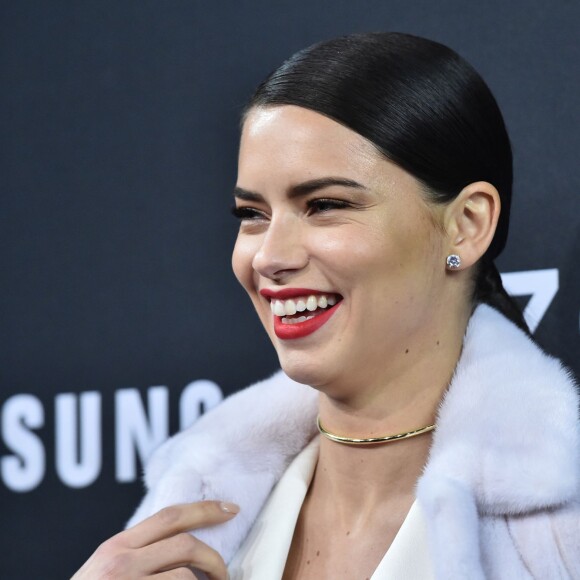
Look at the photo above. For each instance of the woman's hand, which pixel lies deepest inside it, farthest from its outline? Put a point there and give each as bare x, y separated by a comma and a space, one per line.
160, 548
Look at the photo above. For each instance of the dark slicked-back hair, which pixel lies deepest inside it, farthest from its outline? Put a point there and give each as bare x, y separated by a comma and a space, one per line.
423, 107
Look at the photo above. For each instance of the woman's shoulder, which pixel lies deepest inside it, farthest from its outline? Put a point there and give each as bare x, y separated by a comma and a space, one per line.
508, 426
236, 452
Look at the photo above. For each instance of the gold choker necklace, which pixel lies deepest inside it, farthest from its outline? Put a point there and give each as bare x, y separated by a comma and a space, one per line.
371, 440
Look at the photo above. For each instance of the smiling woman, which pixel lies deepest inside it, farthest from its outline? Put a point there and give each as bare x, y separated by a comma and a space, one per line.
373, 245
373, 194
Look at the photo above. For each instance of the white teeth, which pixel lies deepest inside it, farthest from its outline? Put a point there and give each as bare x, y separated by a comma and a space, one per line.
279, 309
312, 303
296, 320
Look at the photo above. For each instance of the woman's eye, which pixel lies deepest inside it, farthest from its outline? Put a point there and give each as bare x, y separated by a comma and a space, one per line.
247, 213
323, 204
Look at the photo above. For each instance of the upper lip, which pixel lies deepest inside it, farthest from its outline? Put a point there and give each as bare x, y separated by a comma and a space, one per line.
286, 293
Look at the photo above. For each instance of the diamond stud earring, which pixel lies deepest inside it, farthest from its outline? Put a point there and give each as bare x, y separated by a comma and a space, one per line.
453, 261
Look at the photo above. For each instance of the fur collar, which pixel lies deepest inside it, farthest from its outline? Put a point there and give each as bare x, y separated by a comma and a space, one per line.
508, 425
507, 440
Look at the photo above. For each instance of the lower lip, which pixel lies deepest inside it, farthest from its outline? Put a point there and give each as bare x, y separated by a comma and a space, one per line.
302, 329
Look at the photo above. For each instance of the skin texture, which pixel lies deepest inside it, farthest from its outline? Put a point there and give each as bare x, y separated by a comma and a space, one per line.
384, 359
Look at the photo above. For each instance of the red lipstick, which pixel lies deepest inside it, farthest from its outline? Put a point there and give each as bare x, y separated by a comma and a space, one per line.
302, 329
289, 331
286, 293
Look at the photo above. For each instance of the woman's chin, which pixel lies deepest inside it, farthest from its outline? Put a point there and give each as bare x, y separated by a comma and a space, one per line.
305, 372
310, 373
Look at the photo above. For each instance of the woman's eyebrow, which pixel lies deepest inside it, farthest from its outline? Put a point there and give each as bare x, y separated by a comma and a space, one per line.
302, 189
247, 195
307, 187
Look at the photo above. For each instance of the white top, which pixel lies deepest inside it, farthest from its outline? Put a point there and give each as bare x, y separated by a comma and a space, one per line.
264, 552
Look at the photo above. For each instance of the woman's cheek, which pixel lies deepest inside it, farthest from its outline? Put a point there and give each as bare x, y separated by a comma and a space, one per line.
242, 257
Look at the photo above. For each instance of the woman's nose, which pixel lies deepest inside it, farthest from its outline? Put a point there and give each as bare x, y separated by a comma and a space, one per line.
281, 251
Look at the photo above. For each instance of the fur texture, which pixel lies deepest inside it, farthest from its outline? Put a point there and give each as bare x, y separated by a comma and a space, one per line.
501, 488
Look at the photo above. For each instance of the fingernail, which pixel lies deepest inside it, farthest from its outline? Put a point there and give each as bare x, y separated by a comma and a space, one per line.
229, 508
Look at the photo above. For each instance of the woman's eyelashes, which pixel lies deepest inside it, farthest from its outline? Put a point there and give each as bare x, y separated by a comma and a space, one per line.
321, 205
247, 213
312, 206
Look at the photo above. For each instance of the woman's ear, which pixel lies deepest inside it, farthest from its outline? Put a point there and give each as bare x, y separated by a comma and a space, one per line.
470, 221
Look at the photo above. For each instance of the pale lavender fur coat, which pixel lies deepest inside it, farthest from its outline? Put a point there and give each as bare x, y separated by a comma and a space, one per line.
500, 491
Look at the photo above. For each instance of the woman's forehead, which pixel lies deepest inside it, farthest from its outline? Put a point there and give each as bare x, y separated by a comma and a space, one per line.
295, 139
291, 124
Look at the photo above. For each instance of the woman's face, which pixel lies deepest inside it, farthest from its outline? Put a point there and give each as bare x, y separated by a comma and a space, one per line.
337, 248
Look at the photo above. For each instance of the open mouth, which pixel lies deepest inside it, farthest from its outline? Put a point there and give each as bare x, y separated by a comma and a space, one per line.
300, 316
303, 308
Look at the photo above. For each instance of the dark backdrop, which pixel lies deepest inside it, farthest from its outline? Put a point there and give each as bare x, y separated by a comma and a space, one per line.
117, 160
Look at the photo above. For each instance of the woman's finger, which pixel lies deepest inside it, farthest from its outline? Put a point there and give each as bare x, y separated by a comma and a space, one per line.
177, 574
183, 550
176, 519
122, 555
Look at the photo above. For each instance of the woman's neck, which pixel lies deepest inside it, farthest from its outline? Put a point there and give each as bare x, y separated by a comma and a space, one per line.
357, 479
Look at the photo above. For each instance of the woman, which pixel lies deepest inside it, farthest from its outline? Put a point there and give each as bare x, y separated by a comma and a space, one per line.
373, 195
